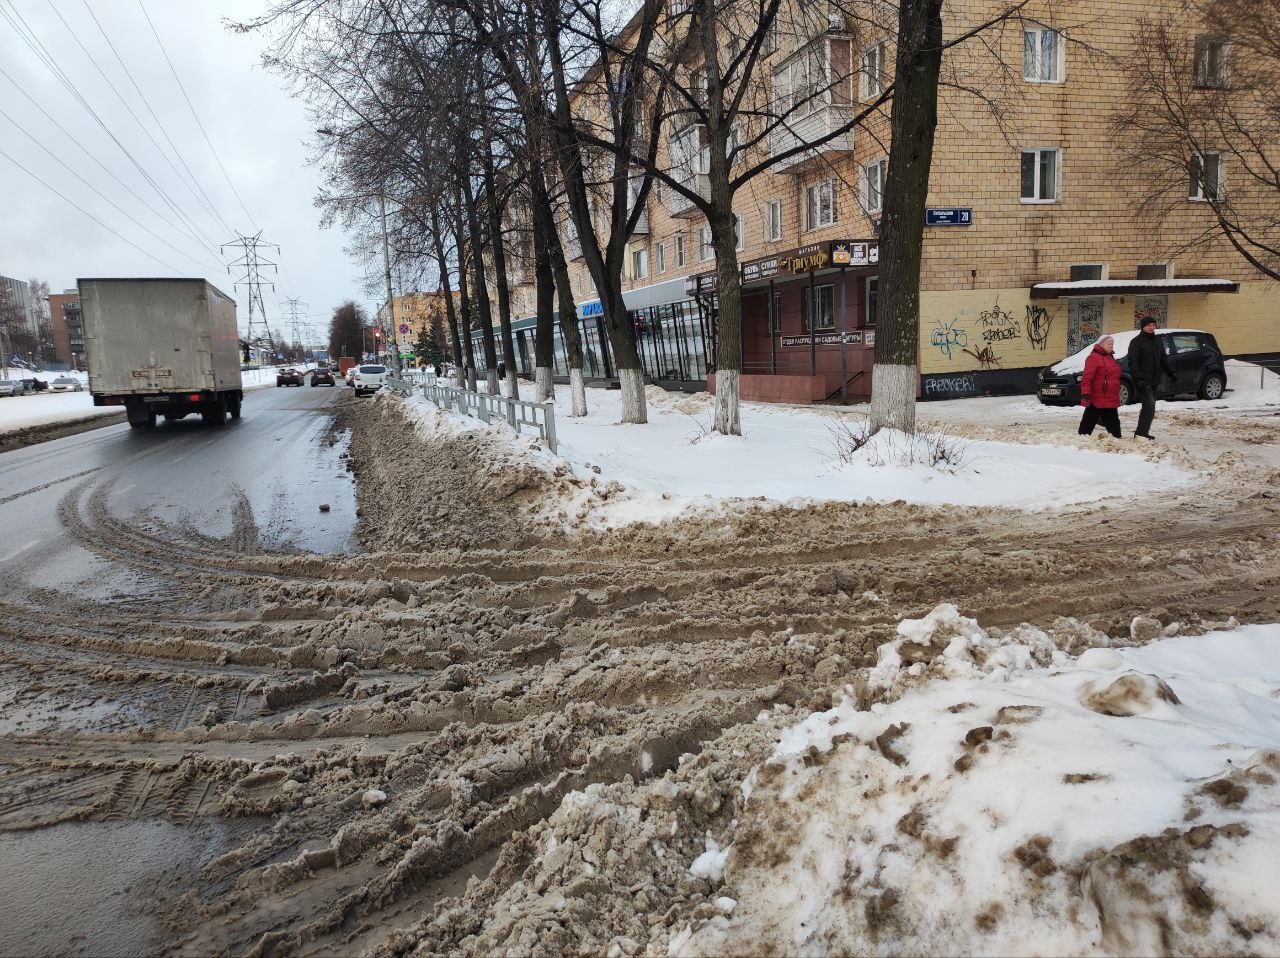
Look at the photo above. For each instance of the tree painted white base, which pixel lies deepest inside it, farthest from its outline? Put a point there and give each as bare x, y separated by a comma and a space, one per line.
578, 390
544, 389
728, 417
893, 397
491, 380
513, 385
471, 379
633, 404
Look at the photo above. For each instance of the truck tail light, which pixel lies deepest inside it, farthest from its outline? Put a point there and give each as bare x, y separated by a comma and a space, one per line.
194, 397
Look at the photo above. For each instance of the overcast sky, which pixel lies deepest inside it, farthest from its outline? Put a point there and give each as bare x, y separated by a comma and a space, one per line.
258, 130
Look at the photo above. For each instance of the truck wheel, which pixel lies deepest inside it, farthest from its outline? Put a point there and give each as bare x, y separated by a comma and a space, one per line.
233, 407
215, 416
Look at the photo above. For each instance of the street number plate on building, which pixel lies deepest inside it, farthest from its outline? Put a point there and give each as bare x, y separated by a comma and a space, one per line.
948, 216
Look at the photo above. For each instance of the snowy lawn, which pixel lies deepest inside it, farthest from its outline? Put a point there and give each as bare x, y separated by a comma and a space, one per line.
789, 454
1005, 797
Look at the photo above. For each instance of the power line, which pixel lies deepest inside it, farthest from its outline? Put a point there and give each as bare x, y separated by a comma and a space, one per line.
147, 103
65, 132
42, 53
87, 213
251, 264
117, 206
196, 116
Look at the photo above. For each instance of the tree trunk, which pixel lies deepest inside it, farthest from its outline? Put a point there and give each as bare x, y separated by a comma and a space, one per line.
728, 324
626, 360
467, 373
480, 289
544, 222
500, 274
446, 289
543, 340
913, 121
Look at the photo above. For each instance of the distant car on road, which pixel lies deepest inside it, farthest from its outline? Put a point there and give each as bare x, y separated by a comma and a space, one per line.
11, 387
322, 376
369, 378
288, 377
1195, 356
66, 384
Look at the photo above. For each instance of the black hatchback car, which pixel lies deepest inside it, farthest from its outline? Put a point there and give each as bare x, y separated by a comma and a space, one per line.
1195, 356
322, 375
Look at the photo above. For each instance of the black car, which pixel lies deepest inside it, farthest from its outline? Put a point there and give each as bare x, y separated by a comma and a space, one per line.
288, 377
1195, 356
322, 376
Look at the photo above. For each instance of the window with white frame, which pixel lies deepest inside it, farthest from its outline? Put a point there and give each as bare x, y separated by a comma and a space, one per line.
873, 186
706, 246
1042, 50
660, 257
801, 84
773, 221
639, 263
820, 308
1211, 62
739, 232
1039, 175
679, 250
871, 72
820, 204
1206, 180
873, 295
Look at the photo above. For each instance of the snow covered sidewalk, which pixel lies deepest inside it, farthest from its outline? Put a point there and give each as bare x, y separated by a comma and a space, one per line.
1004, 797
674, 464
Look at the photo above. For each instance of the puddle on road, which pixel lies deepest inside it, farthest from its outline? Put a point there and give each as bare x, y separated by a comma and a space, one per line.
97, 888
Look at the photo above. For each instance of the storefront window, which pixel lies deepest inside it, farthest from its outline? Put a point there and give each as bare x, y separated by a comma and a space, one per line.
873, 294
820, 310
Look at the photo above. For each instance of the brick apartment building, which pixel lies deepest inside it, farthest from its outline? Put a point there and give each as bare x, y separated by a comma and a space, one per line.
67, 326
1033, 249
419, 311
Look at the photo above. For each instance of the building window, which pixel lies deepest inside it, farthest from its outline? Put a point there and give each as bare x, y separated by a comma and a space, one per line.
871, 72
1087, 272
1206, 176
820, 204
873, 294
873, 186
639, 263
1040, 175
706, 246
1154, 271
1041, 55
820, 311
773, 221
739, 232
679, 250
660, 257
1211, 63
777, 312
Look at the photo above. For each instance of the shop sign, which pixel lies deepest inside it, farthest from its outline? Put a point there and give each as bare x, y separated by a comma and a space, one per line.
702, 283
870, 339
851, 338
592, 309
948, 216
760, 269
850, 253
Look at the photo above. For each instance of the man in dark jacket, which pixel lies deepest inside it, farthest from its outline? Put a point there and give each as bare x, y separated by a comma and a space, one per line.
1147, 360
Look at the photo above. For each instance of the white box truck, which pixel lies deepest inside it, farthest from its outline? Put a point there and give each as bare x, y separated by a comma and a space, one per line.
162, 347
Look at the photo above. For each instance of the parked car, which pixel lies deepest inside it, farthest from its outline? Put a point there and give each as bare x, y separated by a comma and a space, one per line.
66, 384
288, 377
369, 378
1194, 354
11, 387
322, 376
351, 375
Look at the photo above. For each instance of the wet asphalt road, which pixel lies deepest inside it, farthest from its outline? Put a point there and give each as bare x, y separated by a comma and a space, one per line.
264, 476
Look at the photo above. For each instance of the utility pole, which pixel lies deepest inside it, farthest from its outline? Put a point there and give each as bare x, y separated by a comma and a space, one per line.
250, 265
295, 307
390, 333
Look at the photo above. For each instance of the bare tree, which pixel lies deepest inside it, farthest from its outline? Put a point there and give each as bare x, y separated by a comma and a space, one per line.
1203, 122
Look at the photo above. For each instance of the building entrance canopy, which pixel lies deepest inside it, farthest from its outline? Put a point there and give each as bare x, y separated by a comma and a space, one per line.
833, 254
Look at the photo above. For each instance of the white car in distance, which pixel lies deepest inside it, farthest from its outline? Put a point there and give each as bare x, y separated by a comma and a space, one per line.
66, 384
369, 379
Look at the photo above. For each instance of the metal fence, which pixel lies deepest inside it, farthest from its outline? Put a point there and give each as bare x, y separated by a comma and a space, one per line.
517, 413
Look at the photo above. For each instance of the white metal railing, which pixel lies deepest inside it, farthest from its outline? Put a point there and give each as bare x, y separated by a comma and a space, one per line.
517, 413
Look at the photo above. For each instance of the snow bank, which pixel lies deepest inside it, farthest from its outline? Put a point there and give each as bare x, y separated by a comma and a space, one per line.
1007, 798
674, 464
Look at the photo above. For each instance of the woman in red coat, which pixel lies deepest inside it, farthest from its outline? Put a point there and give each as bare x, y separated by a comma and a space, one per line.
1100, 389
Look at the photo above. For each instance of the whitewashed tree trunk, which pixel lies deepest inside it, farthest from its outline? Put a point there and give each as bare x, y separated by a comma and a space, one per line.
544, 389
578, 390
633, 405
728, 419
513, 385
491, 380
471, 378
893, 400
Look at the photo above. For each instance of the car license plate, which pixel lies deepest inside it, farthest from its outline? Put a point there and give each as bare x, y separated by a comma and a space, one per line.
1051, 391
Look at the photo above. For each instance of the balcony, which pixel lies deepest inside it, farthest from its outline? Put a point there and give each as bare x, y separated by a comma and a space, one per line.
800, 130
812, 96
642, 225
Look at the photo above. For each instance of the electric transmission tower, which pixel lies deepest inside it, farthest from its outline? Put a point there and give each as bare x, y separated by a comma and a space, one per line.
248, 269
296, 309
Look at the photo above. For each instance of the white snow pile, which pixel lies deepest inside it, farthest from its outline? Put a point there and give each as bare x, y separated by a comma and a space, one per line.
1007, 798
673, 464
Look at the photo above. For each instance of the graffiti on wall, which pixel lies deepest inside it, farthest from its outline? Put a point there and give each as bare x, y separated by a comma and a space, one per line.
1084, 323
997, 324
947, 336
986, 356
1038, 323
1150, 307
949, 387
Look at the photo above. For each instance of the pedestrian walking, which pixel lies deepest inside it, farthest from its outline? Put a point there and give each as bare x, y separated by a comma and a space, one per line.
1100, 389
1147, 362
